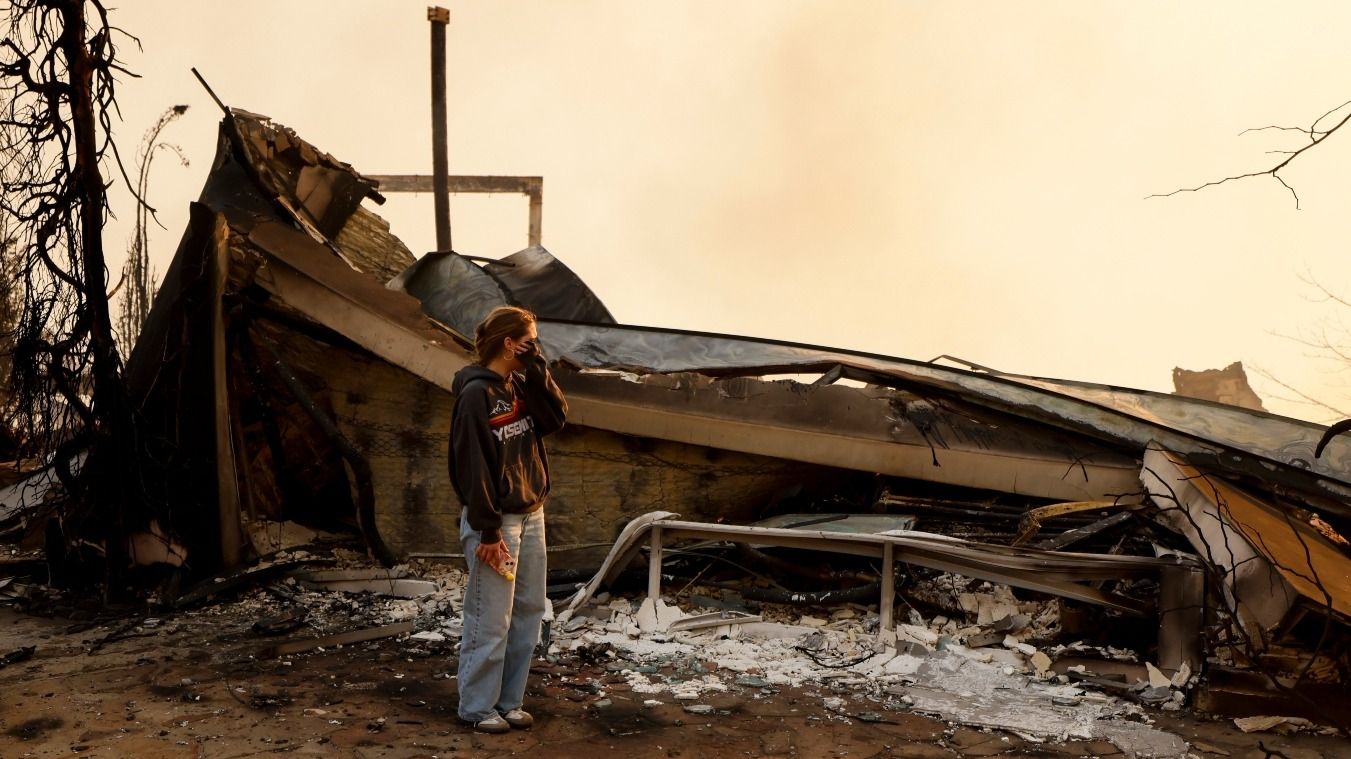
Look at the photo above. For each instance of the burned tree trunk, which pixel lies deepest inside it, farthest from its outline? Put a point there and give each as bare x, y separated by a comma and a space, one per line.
88, 186
57, 66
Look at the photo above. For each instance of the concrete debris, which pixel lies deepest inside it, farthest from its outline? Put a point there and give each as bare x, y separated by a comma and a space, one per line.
1042, 663
1156, 678
1182, 677
1271, 724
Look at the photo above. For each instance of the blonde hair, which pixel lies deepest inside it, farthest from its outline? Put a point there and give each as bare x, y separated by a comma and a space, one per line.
503, 322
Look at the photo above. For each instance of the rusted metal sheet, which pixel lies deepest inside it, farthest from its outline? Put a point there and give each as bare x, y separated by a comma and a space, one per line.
1239, 693
301, 274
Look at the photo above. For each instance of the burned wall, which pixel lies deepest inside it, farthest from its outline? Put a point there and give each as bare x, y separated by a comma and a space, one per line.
601, 479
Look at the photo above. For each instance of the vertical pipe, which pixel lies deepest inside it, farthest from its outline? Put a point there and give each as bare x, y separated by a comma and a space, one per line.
886, 605
654, 565
439, 18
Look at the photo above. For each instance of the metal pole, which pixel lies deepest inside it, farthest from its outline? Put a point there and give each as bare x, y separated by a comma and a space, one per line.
885, 608
654, 565
536, 214
439, 17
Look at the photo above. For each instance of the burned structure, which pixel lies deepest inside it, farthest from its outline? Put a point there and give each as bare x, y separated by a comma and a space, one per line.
297, 366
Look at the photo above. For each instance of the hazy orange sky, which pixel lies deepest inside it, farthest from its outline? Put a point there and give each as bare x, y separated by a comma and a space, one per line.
907, 178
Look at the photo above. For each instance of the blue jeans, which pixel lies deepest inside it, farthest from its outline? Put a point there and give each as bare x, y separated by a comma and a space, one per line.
501, 618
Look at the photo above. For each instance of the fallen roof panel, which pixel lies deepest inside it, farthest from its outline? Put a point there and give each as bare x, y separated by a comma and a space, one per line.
1251, 442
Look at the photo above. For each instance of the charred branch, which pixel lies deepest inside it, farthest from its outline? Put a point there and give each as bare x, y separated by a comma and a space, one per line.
1315, 134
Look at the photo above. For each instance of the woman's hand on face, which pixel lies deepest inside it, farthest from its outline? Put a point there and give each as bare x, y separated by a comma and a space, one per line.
528, 353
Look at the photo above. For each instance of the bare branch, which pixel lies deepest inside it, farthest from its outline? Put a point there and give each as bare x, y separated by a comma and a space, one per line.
1301, 130
1316, 136
1304, 397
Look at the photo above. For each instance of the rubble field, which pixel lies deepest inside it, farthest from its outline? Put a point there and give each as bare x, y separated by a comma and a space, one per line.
614, 680
846, 554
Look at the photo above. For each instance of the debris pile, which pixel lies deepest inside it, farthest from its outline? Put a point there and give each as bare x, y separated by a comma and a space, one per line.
1028, 541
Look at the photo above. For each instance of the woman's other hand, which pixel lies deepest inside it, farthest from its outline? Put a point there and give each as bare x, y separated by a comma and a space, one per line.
494, 555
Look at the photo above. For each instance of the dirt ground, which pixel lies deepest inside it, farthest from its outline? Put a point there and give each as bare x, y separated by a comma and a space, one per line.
195, 685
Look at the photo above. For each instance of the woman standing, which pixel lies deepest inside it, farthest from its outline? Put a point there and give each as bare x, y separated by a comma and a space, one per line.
504, 406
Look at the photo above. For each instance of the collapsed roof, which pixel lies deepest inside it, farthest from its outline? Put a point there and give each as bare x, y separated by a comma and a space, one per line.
298, 361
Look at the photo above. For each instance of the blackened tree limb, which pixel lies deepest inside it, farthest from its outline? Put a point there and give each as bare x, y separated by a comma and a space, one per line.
1313, 132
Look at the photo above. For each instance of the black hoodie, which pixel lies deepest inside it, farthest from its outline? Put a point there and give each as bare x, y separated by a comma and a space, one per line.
497, 460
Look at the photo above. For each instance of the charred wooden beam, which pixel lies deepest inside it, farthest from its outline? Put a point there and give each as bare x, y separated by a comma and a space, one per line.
340, 639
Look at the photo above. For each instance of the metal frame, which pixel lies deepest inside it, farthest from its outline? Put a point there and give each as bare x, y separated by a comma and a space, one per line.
1180, 579
531, 187
1044, 572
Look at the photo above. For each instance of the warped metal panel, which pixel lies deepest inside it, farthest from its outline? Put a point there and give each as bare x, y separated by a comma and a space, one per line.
1278, 438
864, 429
535, 279
456, 291
452, 289
1256, 443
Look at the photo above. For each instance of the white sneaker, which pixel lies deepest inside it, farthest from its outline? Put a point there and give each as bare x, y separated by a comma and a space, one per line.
519, 718
494, 724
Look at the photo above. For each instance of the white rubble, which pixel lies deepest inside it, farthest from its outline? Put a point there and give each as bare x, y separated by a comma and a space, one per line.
913, 666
